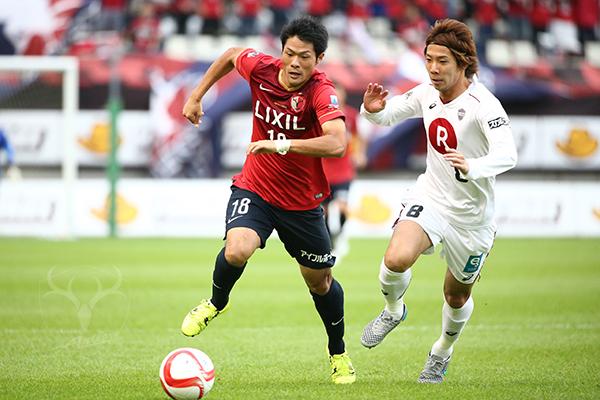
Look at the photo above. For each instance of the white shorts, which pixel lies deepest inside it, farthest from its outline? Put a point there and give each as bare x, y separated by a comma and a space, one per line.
464, 250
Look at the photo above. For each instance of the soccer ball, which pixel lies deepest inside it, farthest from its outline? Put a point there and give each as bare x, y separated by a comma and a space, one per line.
187, 374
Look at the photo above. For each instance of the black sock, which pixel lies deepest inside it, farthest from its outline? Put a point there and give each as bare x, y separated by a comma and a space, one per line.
224, 277
331, 309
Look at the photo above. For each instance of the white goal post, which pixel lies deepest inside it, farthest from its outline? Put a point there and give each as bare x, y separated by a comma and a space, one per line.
69, 67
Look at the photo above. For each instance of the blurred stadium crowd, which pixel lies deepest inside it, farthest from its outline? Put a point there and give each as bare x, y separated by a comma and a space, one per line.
559, 28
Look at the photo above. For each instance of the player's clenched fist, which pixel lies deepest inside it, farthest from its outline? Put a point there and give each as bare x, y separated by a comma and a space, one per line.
192, 111
374, 97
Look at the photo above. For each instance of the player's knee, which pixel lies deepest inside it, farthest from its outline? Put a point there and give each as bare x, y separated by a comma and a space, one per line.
456, 300
398, 261
320, 286
237, 255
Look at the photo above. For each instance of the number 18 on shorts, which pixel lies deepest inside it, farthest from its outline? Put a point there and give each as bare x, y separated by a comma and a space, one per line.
464, 249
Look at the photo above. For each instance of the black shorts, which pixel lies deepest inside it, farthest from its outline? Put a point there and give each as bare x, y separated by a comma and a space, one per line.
303, 233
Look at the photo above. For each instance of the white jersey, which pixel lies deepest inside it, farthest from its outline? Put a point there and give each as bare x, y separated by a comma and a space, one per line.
476, 125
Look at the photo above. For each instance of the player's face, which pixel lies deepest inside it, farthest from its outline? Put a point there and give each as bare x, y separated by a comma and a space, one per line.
444, 72
299, 60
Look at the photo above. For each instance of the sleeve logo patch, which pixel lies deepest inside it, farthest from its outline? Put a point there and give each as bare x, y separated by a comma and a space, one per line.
333, 102
497, 122
252, 54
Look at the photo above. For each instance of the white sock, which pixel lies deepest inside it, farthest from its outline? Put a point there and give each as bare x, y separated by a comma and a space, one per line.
453, 322
393, 286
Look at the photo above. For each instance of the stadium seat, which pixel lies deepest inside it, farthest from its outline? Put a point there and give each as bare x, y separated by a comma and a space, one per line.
525, 54
206, 48
379, 27
390, 50
177, 46
382, 49
254, 42
397, 47
498, 53
224, 42
592, 53
565, 36
335, 52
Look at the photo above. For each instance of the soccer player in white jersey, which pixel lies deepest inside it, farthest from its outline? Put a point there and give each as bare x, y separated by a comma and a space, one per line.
469, 142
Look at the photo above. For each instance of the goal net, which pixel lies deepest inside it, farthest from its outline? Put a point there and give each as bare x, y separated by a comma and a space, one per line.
38, 105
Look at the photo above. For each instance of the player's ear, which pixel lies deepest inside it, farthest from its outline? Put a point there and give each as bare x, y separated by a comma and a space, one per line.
320, 57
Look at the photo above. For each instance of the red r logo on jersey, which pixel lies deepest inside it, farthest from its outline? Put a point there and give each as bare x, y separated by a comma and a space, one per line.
441, 135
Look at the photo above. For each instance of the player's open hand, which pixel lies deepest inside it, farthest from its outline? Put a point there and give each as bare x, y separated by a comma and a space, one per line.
457, 160
262, 147
374, 97
192, 111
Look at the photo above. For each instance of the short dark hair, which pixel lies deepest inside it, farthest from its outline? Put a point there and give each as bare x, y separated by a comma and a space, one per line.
309, 30
457, 37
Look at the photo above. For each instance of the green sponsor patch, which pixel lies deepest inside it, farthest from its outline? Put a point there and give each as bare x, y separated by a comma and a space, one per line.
473, 263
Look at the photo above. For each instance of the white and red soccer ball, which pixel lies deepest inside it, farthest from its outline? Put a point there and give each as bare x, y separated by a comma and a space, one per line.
187, 374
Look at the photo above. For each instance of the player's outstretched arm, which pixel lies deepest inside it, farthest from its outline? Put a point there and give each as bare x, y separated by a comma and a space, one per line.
225, 63
331, 144
374, 97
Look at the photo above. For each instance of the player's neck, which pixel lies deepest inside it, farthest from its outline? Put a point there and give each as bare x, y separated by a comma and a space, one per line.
455, 91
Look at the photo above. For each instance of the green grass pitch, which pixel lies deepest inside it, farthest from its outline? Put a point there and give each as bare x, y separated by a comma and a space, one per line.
92, 319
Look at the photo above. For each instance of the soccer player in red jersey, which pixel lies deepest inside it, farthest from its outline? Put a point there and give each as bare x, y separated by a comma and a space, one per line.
296, 121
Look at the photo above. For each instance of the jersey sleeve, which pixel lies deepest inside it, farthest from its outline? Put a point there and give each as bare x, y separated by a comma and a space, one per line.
398, 108
502, 154
247, 61
326, 104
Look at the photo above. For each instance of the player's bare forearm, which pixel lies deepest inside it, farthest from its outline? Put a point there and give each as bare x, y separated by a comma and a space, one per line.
262, 147
331, 144
323, 146
223, 65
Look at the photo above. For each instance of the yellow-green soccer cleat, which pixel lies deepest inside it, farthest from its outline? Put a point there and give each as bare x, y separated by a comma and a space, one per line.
198, 318
342, 371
